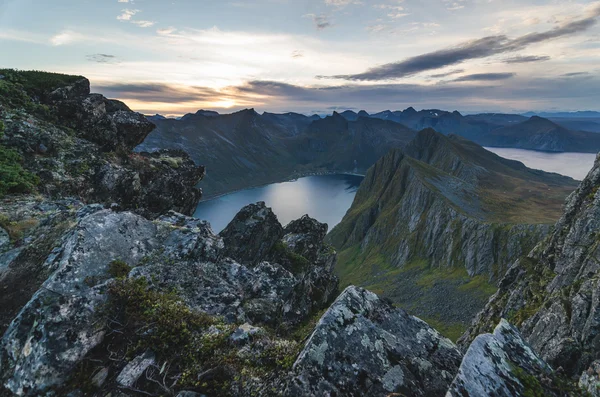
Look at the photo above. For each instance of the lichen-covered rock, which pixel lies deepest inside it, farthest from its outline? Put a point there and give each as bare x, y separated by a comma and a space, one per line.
61, 323
501, 364
55, 329
135, 368
252, 233
364, 346
82, 147
590, 379
305, 237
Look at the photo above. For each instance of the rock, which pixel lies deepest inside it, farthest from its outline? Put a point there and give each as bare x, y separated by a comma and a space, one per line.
134, 369
244, 333
4, 240
305, 237
189, 394
590, 380
501, 362
252, 234
100, 377
55, 329
364, 346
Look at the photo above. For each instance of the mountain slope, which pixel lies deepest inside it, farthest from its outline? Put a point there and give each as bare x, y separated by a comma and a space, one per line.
552, 294
433, 223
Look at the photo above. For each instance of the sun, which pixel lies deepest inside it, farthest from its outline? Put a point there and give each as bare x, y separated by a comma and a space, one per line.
226, 103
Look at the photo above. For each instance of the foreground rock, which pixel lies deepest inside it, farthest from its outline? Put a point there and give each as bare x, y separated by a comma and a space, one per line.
364, 346
63, 323
552, 295
502, 363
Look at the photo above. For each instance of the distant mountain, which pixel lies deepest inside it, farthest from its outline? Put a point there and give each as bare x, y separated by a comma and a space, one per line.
579, 124
204, 113
539, 133
433, 223
569, 115
156, 117
246, 149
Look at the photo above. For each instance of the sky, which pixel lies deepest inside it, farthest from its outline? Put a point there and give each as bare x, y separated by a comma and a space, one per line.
314, 56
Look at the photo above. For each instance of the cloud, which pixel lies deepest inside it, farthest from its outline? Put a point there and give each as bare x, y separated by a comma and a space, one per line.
474, 49
126, 14
572, 74
166, 31
486, 77
342, 3
125, 1
65, 37
156, 92
321, 21
102, 58
450, 73
297, 54
527, 59
143, 24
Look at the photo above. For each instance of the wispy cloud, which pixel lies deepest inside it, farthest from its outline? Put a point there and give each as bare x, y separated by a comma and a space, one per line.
65, 37
127, 14
342, 3
527, 59
474, 49
143, 24
486, 77
102, 58
446, 74
320, 21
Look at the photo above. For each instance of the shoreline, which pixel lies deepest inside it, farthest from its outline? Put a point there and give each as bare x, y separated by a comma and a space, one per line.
290, 178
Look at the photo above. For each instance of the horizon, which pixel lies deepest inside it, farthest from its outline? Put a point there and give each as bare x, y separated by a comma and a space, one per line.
315, 56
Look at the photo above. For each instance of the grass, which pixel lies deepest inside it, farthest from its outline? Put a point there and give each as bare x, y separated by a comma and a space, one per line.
452, 331
37, 83
13, 177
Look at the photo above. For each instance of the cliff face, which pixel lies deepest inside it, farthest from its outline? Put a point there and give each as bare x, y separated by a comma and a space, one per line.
81, 145
552, 293
439, 214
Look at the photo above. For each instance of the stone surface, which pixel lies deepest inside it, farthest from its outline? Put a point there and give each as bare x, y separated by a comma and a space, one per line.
500, 363
135, 368
364, 346
590, 379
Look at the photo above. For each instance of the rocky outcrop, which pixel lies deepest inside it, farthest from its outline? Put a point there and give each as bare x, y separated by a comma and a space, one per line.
552, 295
80, 145
504, 363
364, 346
62, 322
590, 380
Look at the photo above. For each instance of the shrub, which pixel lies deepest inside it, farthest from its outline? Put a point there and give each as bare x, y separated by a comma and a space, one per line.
118, 269
13, 178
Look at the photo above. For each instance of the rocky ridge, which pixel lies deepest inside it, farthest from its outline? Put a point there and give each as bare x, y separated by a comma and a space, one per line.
430, 218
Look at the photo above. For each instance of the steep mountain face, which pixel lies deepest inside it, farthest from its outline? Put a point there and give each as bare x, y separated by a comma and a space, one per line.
542, 134
552, 294
79, 144
267, 148
433, 223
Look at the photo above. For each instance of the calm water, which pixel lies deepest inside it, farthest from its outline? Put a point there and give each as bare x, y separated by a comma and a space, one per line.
324, 197
575, 165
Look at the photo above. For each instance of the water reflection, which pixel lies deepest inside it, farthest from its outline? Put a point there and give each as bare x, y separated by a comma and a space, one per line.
324, 197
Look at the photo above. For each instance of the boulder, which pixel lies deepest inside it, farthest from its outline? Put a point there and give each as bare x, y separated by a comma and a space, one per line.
501, 362
135, 368
364, 346
590, 380
251, 235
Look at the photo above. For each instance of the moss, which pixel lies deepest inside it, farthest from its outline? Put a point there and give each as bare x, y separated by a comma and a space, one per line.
297, 262
17, 229
118, 269
452, 331
13, 177
531, 385
37, 83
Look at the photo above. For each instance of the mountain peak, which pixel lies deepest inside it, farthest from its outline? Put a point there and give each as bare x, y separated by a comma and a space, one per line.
409, 110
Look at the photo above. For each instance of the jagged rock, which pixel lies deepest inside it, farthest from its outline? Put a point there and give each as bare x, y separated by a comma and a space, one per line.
54, 330
305, 237
135, 368
554, 294
502, 364
100, 377
59, 325
364, 346
83, 148
244, 332
590, 379
252, 233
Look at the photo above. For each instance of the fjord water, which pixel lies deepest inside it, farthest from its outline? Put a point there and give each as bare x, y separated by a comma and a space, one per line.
323, 197
575, 165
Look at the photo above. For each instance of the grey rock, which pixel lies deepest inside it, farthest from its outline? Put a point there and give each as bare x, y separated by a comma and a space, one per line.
252, 233
4, 240
590, 379
100, 377
189, 394
496, 364
135, 368
364, 346
244, 333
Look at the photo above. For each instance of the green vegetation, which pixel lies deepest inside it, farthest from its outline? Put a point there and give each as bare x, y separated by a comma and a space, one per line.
37, 84
531, 385
13, 178
452, 331
539, 276
298, 263
118, 269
